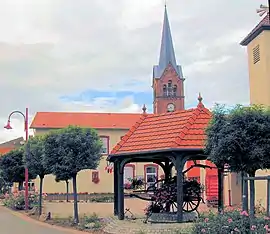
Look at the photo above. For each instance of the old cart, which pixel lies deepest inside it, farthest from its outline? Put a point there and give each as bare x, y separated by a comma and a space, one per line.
163, 194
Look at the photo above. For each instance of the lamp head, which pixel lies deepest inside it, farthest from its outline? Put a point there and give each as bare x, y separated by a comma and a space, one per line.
8, 125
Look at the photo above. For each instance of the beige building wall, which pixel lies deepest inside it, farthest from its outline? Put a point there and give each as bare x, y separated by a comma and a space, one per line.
84, 179
259, 76
259, 73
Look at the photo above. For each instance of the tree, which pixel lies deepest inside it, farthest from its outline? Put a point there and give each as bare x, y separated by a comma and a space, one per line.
34, 162
63, 176
240, 138
13, 168
71, 150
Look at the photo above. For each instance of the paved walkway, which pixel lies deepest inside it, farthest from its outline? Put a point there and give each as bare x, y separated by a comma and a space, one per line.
11, 224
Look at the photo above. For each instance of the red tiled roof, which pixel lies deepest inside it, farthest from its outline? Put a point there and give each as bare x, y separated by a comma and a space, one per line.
264, 24
176, 130
93, 120
5, 150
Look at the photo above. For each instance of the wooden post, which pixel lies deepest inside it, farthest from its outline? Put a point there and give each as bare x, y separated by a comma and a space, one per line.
268, 197
220, 190
116, 185
245, 194
252, 198
179, 168
120, 176
168, 173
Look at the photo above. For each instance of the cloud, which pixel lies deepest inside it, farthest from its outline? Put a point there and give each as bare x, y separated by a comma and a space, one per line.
54, 49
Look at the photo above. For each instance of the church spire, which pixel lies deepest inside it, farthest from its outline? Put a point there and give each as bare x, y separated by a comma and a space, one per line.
167, 54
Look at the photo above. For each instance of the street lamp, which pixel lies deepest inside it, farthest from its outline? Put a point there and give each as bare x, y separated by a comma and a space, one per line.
8, 126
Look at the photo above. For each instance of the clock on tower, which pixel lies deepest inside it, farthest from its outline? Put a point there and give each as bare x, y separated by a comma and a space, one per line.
170, 107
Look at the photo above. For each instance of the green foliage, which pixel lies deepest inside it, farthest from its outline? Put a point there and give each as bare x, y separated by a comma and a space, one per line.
16, 200
87, 222
72, 149
68, 151
102, 198
63, 175
34, 160
12, 167
239, 137
231, 222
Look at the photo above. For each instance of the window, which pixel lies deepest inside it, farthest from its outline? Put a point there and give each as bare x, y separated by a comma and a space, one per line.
150, 174
170, 88
105, 146
95, 177
256, 54
174, 90
164, 90
129, 173
31, 186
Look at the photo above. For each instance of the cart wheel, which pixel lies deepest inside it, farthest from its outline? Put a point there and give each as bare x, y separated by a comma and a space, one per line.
191, 203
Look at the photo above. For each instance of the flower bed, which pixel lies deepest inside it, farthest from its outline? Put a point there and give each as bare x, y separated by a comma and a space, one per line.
16, 200
88, 223
88, 197
232, 221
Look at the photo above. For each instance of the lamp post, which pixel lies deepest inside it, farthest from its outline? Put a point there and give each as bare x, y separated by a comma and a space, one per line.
8, 126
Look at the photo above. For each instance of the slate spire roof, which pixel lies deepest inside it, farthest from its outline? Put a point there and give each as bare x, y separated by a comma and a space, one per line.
167, 54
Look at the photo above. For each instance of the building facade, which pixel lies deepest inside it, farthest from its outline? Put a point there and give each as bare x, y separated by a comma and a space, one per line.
257, 43
168, 96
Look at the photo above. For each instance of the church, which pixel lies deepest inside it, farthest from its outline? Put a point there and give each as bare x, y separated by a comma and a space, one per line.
168, 96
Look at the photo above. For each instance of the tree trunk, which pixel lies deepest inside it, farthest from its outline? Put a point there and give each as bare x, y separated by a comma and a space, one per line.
67, 190
40, 195
76, 212
20, 186
252, 194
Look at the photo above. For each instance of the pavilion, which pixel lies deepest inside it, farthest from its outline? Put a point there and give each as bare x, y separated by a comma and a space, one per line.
168, 139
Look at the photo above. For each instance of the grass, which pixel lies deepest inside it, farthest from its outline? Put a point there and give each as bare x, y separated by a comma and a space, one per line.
87, 222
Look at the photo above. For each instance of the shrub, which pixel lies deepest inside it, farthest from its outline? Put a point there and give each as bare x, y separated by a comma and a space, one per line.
16, 200
102, 199
233, 221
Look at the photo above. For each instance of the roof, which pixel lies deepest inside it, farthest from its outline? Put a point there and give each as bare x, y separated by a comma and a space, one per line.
12, 143
264, 24
167, 54
177, 130
5, 150
55, 120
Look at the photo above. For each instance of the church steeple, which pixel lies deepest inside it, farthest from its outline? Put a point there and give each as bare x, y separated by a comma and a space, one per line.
167, 54
168, 87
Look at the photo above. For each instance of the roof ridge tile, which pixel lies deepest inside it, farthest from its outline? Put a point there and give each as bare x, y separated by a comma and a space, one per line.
190, 122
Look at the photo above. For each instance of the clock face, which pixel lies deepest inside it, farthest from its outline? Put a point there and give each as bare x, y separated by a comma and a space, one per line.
170, 107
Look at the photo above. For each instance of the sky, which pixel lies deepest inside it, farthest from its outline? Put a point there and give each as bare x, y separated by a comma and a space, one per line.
97, 56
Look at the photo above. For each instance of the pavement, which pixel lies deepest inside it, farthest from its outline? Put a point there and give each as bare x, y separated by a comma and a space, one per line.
13, 223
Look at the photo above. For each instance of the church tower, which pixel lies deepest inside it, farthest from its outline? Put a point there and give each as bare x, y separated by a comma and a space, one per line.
168, 87
258, 49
